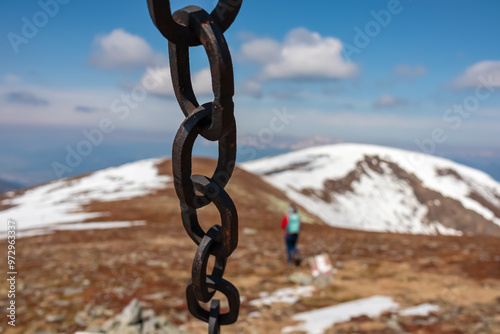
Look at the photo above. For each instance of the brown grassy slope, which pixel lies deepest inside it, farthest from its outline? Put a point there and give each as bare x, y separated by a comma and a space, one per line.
256, 201
64, 272
102, 270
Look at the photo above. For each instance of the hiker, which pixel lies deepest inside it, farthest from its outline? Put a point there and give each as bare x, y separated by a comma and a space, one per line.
291, 225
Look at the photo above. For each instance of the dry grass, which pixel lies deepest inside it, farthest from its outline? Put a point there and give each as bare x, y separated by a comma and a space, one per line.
65, 272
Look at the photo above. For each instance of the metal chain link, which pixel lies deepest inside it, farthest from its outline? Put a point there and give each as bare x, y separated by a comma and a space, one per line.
187, 27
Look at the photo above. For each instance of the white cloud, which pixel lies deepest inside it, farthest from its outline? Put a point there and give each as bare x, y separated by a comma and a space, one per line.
159, 81
485, 73
261, 50
302, 55
380, 121
388, 101
120, 50
26, 110
348, 125
126, 109
202, 82
410, 71
250, 87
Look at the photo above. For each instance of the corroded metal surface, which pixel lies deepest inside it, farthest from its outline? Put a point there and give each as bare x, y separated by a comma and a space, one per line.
193, 26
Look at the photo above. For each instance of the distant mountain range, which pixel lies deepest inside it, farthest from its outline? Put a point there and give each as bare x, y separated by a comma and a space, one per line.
353, 186
8, 185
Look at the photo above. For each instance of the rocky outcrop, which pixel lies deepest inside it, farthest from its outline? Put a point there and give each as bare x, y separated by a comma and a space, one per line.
135, 319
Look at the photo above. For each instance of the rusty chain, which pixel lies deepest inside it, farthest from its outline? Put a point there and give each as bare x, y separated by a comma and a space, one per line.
188, 27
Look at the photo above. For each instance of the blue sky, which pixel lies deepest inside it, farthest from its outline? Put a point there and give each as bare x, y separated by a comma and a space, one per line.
417, 74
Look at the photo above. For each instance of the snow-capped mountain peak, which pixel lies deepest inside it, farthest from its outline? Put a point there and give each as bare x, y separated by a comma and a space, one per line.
382, 189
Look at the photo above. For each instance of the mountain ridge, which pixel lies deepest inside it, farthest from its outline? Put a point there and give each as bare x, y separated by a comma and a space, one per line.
132, 194
6, 185
382, 189
354, 186
86, 276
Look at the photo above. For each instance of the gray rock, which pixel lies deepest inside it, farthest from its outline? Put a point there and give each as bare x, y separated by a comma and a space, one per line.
155, 296
322, 282
62, 302
94, 330
300, 278
55, 318
131, 314
150, 326
135, 320
98, 311
147, 314
82, 319
72, 291
249, 231
110, 324
133, 329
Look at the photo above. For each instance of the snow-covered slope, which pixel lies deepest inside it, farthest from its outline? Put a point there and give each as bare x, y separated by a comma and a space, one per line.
347, 185
385, 189
62, 201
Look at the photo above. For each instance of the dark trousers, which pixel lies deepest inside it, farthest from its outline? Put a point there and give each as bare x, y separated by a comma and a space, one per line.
291, 248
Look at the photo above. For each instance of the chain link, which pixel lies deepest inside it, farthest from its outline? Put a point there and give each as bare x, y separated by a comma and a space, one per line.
187, 27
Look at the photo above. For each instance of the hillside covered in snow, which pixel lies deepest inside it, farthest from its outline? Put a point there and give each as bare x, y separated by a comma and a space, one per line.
133, 194
52, 205
384, 189
353, 186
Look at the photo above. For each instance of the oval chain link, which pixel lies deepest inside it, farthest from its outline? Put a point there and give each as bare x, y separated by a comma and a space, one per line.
187, 27
223, 14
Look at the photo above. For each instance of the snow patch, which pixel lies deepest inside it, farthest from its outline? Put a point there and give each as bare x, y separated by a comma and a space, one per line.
420, 310
317, 321
76, 227
285, 295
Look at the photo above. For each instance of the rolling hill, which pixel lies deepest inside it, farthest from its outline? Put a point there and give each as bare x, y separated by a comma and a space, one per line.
384, 189
92, 244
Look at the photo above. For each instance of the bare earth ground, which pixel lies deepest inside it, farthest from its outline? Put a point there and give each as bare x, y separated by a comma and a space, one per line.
61, 274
